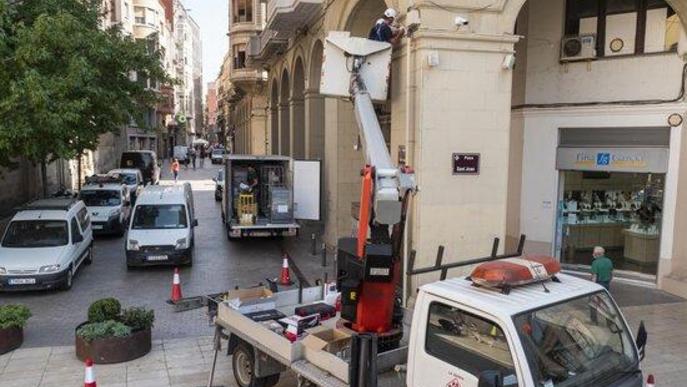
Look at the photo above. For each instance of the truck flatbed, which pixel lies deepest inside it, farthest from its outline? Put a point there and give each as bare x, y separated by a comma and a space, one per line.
292, 355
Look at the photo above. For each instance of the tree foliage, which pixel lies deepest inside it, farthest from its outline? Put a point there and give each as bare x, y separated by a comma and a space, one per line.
66, 80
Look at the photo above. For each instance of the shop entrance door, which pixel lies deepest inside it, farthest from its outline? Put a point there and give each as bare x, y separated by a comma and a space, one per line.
619, 211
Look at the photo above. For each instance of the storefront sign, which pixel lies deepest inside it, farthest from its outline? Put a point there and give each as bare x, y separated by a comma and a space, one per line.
466, 163
654, 160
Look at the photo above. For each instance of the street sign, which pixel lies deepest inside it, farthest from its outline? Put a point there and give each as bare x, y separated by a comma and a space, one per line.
466, 163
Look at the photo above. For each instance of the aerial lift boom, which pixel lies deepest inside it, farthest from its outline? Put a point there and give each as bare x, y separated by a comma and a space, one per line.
369, 265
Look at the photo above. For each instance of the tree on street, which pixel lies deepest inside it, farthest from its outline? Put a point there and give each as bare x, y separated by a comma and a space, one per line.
66, 80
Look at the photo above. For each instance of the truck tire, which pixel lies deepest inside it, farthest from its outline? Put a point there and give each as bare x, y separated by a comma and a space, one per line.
243, 365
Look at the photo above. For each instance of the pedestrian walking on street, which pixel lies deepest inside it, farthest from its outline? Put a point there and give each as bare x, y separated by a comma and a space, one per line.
602, 268
175, 169
203, 155
193, 157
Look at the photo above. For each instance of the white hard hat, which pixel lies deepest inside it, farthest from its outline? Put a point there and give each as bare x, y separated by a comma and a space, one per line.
390, 12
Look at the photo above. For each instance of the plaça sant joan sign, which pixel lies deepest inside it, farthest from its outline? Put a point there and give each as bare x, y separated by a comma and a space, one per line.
466, 163
654, 160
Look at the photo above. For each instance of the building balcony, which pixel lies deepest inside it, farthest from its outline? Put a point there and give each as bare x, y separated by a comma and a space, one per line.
246, 78
265, 46
289, 16
244, 28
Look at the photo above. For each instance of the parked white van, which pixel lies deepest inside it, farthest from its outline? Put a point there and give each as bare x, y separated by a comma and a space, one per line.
44, 245
161, 227
108, 202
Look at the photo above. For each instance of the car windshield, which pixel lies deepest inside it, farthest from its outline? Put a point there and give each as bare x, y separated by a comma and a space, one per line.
36, 233
101, 198
147, 217
218, 152
580, 342
129, 178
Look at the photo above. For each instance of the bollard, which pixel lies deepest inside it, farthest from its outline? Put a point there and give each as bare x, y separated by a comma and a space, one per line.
324, 255
313, 239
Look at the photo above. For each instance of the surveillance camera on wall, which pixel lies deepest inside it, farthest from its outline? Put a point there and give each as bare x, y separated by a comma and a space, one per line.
460, 21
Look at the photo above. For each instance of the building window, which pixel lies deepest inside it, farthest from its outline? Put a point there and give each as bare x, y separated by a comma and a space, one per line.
625, 27
113, 11
243, 11
140, 15
127, 13
239, 56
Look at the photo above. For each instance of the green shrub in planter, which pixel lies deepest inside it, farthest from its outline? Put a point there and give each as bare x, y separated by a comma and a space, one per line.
138, 318
14, 316
104, 310
99, 330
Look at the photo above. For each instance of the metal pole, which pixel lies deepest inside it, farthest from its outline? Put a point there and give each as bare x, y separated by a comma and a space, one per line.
313, 240
324, 255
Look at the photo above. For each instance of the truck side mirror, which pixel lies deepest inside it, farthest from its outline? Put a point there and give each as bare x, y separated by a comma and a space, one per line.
490, 379
642, 337
195, 223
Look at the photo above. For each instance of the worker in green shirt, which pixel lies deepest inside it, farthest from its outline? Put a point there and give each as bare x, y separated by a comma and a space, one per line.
602, 268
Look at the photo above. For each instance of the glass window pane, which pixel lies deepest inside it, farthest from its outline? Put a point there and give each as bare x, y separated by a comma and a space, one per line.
468, 342
620, 6
662, 30
621, 33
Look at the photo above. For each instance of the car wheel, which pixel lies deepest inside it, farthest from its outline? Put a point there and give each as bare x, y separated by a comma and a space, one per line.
89, 256
243, 365
68, 282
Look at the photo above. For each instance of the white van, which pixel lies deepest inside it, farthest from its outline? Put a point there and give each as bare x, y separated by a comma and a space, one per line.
161, 227
108, 202
44, 245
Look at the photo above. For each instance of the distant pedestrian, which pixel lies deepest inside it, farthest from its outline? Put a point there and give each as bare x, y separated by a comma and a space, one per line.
193, 157
602, 268
175, 169
203, 155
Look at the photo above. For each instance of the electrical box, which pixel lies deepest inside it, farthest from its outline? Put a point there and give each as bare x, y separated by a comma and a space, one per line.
339, 50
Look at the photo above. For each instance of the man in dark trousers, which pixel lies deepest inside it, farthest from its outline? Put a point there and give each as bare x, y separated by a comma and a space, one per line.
384, 29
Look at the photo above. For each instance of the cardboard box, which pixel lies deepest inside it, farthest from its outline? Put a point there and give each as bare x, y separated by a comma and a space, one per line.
251, 300
321, 347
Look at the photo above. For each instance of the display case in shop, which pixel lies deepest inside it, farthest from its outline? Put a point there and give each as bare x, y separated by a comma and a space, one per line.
623, 222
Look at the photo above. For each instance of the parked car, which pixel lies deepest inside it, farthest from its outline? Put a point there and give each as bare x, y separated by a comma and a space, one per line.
181, 154
133, 180
108, 202
161, 227
219, 185
217, 155
145, 161
44, 245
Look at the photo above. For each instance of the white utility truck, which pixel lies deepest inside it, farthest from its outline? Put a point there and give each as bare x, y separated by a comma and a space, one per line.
515, 321
266, 195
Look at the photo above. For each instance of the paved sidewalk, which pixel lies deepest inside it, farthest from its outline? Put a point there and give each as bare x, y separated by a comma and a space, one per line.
171, 363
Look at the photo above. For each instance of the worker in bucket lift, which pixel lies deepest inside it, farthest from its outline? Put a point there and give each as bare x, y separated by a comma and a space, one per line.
385, 30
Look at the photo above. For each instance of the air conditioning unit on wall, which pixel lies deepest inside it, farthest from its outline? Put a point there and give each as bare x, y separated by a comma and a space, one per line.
578, 48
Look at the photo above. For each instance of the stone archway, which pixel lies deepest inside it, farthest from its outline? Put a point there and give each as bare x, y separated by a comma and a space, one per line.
298, 139
274, 117
284, 116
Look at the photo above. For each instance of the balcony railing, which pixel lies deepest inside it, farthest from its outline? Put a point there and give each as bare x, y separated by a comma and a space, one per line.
262, 47
288, 16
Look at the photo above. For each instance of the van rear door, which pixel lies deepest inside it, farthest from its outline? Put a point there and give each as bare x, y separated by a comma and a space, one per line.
307, 189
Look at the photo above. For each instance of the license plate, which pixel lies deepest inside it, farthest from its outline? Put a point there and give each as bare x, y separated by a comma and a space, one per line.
157, 258
97, 227
22, 281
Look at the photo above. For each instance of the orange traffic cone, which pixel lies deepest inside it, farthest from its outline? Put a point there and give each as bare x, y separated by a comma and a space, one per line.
650, 382
176, 286
285, 276
89, 377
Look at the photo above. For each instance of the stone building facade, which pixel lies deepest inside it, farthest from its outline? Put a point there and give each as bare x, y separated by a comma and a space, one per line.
472, 88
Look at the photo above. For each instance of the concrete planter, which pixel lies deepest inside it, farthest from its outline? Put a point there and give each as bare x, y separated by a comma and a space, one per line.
114, 349
11, 339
